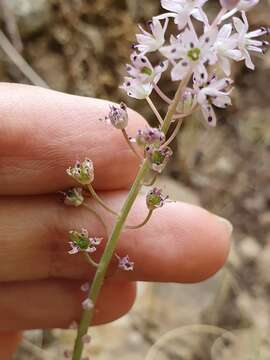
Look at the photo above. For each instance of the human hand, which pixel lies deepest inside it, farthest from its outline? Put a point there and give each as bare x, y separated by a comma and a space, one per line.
42, 133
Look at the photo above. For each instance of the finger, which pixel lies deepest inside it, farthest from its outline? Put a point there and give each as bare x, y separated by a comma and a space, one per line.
43, 132
181, 242
9, 340
58, 303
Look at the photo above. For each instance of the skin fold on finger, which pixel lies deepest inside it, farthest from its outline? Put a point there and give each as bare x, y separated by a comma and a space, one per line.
180, 243
43, 132
9, 340
57, 303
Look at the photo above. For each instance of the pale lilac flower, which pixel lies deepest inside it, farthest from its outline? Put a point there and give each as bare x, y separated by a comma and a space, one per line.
246, 41
213, 93
134, 88
85, 287
155, 199
158, 157
124, 263
243, 5
74, 197
193, 52
225, 47
182, 10
118, 116
149, 42
87, 304
86, 339
83, 172
81, 242
143, 76
150, 136
229, 4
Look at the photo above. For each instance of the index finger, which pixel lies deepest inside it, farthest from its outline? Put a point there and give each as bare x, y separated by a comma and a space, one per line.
43, 132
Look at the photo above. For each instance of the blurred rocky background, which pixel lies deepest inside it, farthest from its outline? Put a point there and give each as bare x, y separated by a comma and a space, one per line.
80, 46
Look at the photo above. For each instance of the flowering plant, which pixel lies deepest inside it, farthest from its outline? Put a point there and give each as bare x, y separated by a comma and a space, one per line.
199, 62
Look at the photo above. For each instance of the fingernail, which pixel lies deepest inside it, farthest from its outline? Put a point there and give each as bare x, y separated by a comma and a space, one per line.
227, 224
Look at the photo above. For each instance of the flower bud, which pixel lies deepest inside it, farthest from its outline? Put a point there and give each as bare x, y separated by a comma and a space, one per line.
87, 304
85, 287
229, 4
118, 116
150, 136
83, 172
74, 197
155, 199
86, 339
158, 157
125, 264
186, 103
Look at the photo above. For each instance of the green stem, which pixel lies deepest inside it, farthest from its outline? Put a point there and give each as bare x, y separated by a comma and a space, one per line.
84, 204
151, 182
139, 157
99, 200
142, 223
112, 241
90, 260
105, 260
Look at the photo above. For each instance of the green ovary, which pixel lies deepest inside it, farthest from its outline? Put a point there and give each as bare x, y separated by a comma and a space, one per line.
194, 54
146, 71
157, 158
153, 200
82, 243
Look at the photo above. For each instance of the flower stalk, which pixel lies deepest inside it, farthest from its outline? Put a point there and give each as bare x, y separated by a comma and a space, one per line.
145, 221
194, 60
100, 201
105, 260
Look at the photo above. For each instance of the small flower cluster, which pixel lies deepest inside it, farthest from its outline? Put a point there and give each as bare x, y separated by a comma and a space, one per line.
124, 263
81, 242
74, 197
195, 56
158, 156
83, 172
117, 117
150, 136
155, 199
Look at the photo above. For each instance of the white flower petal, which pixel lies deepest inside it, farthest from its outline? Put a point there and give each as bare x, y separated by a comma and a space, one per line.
209, 114
172, 5
180, 70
